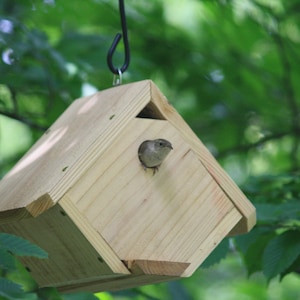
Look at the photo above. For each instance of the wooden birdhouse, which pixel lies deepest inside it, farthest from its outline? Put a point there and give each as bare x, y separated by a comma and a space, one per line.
82, 194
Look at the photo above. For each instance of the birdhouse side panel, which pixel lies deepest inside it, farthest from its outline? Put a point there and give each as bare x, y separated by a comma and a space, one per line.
72, 260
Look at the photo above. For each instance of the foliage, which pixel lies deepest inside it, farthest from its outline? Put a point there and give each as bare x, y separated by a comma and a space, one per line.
229, 67
273, 246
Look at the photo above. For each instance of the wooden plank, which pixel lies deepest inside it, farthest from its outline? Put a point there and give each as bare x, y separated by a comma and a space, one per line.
222, 178
13, 215
212, 241
40, 205
153, 267
93, 237
116, 283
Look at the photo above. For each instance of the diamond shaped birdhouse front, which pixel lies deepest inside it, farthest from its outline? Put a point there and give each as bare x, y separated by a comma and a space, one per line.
82, 194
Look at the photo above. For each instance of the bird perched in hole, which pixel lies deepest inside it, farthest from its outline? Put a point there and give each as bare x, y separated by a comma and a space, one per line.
152, 153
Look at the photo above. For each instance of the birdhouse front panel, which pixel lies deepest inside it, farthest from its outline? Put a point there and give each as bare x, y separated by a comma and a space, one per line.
167, 216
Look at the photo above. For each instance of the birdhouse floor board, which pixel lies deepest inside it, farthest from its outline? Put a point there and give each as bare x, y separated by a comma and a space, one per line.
117, 283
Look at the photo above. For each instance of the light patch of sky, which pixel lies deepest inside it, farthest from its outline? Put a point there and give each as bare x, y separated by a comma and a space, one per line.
275, 5
237, 170
216, 76
15, 137
259, 164
49, 2
6, 26
183, 13
292, 31
7, 56
245, 8
88, 89
71, 69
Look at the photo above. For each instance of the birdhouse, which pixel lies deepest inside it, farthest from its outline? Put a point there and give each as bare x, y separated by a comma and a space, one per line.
82, 195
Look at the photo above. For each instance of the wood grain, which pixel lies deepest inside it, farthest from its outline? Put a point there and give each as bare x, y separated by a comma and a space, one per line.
165, 217
93, 237
72, 259
71, 144
217, 172
151, 267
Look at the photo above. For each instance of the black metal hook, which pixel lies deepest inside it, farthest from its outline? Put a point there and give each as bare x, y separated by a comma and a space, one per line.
116, 41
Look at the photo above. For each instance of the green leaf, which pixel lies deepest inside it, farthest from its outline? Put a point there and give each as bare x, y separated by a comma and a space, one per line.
21, 276
294, 267
219, 253
253, 256
49, 293
278, 212
20, 246
177, 290
252, 246
8, 286
280, 253
7, 261
244, 241
79, 296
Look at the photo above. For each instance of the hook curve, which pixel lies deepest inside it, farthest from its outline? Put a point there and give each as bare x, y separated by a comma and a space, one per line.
116, 41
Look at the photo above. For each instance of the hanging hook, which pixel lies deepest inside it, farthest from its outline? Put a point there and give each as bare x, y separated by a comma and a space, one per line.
115, 42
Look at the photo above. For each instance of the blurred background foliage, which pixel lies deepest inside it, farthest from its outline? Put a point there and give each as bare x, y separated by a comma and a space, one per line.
231, 69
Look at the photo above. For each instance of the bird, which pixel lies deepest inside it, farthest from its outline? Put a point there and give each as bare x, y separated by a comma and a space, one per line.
152, 153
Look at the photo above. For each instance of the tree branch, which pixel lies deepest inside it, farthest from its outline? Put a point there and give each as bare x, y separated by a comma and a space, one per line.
286, 78
289, 91
26, 121
245, 148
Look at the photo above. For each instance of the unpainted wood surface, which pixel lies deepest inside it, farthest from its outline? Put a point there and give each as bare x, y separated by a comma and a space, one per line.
150, 267
161, 217
212, 241
93, 237
71, 144
116, 283
72, 260
217, 172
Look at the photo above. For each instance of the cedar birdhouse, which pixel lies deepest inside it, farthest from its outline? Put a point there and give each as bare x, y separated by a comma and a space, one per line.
82, 194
